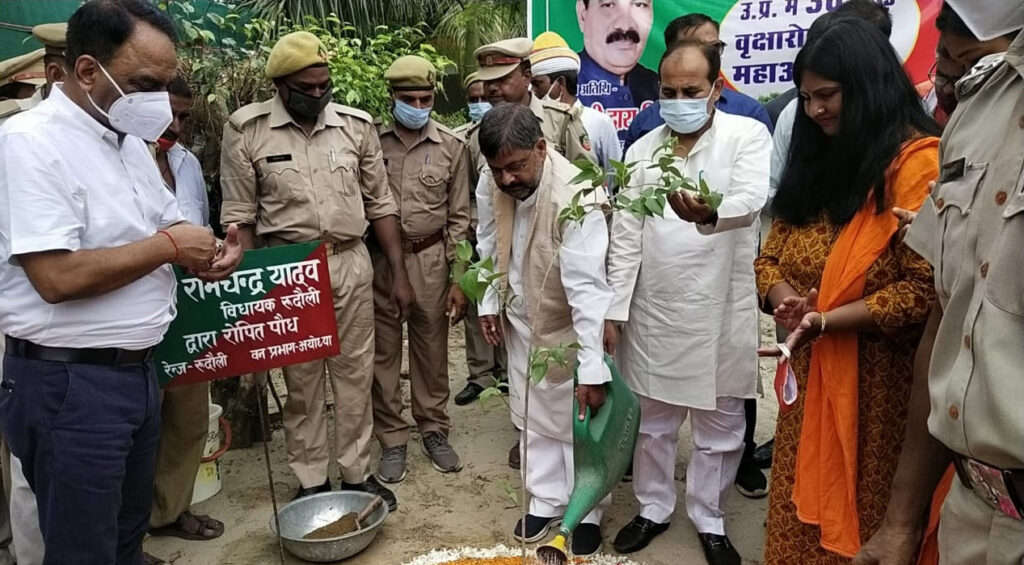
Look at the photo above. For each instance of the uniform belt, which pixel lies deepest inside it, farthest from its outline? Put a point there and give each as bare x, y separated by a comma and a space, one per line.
1002, 489
333, 247
417, 245
110, 356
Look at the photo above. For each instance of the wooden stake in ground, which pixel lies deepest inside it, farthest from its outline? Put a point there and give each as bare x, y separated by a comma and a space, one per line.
261, 399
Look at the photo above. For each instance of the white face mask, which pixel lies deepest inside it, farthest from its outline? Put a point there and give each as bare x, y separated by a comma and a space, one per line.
142, 114
685, 115
991, 18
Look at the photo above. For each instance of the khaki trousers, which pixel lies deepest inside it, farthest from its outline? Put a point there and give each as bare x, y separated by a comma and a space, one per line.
428, 348
485, 362
973, 533
184, 424
351, 373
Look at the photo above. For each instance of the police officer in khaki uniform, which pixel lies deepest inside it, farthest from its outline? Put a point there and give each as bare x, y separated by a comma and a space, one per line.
298, 168
21, 75
486, 363
46, 67
505, 71
968, 400
427, 168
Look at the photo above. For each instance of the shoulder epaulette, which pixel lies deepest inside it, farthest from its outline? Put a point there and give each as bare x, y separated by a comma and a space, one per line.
350, 111
248, 113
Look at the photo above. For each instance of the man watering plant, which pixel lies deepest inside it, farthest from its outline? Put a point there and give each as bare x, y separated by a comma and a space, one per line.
559, 295
685, 302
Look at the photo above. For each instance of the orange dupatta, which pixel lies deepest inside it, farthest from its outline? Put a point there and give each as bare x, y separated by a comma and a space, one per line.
825, 489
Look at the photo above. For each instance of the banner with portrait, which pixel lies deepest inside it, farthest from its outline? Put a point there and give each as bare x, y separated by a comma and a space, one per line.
621, 41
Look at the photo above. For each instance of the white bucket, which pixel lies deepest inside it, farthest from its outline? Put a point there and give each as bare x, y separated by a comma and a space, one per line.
208, 481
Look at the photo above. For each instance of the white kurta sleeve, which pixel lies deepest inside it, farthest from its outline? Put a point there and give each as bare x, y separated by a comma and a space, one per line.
780, 146
486, 239
582, 262
624, 255
748, 184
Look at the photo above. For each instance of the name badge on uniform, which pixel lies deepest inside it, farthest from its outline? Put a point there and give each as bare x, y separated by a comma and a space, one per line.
953, 170
279, 158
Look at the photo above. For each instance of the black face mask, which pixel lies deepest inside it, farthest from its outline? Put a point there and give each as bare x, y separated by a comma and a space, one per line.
302, 105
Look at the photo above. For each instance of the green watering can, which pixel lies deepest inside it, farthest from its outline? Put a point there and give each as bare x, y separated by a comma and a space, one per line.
602, 449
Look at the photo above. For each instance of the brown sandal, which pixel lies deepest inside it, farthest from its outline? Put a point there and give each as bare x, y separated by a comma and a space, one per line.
189, 526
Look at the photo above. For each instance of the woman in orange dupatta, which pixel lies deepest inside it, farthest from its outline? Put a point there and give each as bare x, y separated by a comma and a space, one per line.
853, 295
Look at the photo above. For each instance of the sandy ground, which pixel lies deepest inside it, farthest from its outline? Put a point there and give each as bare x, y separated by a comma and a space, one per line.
472, 507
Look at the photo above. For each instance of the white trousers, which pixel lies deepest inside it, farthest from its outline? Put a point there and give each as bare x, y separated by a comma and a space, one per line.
28, 538
549, 477
717, 448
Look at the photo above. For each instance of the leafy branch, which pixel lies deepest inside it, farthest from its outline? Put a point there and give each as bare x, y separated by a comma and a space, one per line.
650, 198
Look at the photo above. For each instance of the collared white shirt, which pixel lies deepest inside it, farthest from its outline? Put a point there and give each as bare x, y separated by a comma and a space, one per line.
189, 185
67, 182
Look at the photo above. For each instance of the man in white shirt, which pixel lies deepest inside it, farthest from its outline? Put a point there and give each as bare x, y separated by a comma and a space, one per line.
555, 77
87, 237
184, 409
686, 305
555, 278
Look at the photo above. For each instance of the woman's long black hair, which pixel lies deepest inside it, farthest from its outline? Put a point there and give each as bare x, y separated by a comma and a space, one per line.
880, 110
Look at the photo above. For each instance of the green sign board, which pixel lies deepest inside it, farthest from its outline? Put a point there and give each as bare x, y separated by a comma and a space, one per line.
277, 309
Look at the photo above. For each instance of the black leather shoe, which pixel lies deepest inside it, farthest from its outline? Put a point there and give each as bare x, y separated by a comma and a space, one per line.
718, 550
750, 480
514, 457
763, 454
372, 486
468, 394
637, 534
537, 527
587, 540
326, 487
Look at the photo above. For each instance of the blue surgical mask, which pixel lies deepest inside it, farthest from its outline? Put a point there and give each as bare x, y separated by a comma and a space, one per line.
685, 115
477, 110
412, 118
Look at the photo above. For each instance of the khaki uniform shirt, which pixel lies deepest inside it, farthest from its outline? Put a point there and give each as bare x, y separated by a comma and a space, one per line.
301, 188
430, 182
562, 128
14, 106
972, 232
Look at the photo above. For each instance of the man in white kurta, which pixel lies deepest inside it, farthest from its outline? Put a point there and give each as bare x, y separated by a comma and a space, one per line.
556, 277
686, 303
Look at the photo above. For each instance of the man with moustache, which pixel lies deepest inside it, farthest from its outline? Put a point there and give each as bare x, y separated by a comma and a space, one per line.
520, 204
611, 79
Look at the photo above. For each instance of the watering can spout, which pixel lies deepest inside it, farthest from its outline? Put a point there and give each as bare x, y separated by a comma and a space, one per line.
602, 451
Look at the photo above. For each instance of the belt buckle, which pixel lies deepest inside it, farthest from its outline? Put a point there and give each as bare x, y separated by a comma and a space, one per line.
408, 245
990, 484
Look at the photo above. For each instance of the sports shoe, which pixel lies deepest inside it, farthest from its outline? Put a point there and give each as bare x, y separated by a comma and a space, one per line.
750, 481
441, 454
586, 540
371, 486
537, 527
718, 550
763, 454
392, 465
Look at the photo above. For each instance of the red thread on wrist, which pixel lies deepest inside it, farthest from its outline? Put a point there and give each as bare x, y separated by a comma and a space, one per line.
174, 243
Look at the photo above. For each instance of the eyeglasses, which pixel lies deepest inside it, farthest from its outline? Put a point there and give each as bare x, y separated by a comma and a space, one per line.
720, 45
938, 80
513, 169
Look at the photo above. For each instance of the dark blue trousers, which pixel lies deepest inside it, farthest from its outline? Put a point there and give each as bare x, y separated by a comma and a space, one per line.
86, 436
